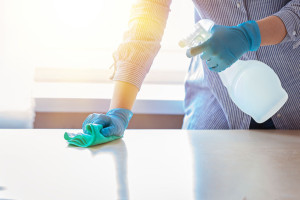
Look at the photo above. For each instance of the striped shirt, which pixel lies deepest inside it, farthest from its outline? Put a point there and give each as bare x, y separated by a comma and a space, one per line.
207, 103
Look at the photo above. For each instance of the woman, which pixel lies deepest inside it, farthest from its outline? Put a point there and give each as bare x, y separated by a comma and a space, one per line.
268, 31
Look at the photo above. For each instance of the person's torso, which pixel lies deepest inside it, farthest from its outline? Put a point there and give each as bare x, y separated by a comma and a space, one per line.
282, 58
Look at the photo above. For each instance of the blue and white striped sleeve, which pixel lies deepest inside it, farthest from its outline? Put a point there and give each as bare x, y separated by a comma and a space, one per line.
290, 15
141, 42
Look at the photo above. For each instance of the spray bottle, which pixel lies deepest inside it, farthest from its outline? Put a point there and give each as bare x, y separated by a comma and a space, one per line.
252, 85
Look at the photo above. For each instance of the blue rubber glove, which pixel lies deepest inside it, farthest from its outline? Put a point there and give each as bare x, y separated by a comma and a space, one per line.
227, 44
101, 128
114, 122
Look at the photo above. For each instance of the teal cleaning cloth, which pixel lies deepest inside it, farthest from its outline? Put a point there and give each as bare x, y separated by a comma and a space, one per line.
92, 136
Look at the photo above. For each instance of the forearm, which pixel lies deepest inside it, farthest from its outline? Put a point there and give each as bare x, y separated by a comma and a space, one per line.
272, 30
124, 95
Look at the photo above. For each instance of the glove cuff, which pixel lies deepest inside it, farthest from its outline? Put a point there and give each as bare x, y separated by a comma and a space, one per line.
252, 32
125, 114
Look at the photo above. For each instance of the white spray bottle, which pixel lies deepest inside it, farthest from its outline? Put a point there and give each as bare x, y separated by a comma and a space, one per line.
252, 85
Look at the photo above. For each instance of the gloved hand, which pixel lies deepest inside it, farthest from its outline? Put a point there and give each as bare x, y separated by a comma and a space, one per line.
114, 122
101, 128
227, 44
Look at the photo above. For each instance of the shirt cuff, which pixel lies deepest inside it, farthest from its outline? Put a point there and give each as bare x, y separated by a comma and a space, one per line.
130, 73
292, 25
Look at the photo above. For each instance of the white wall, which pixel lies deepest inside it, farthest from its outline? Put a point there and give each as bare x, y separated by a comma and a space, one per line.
16, 67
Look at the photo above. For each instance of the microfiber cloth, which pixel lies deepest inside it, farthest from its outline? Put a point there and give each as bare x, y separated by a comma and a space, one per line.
92, 136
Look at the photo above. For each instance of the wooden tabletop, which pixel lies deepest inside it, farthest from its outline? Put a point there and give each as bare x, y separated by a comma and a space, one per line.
152, 164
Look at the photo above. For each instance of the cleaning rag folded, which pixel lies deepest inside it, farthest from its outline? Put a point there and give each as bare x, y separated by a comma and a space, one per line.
91, 136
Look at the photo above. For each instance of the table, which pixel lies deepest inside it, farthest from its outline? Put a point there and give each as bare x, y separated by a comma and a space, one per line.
152, 164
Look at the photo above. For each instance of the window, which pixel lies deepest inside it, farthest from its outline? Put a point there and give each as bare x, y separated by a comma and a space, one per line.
73, 40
